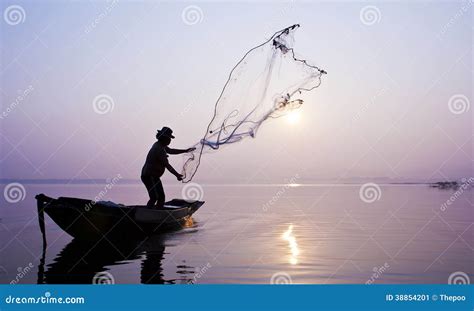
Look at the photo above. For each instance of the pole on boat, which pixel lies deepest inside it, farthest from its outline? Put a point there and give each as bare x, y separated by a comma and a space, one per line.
40, 205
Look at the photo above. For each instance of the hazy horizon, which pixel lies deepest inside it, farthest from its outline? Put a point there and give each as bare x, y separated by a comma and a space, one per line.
384, 110
285, 181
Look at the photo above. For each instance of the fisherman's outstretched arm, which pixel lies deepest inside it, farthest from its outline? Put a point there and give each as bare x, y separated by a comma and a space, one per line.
178, 151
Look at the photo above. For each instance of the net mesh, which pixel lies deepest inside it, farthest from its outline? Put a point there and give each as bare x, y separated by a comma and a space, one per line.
266, 83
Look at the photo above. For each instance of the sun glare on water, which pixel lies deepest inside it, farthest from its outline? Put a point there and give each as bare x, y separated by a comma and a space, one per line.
291, 239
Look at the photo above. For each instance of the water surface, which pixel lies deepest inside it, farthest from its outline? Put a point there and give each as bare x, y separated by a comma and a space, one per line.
256, 234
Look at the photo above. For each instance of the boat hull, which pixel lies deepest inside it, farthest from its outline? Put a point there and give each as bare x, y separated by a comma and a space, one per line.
85, 219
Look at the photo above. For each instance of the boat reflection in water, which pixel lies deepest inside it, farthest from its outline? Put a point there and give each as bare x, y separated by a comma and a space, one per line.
79, 261
291, 239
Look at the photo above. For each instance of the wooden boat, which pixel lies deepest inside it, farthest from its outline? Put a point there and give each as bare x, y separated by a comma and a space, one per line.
86, 219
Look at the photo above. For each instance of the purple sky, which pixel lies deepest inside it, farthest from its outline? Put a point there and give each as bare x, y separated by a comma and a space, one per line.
395, 103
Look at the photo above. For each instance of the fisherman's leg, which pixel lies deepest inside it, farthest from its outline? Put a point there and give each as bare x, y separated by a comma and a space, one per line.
151, 202
151, 193
159, 192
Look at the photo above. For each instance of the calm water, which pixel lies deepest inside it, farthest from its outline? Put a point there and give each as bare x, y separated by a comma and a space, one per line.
309, 233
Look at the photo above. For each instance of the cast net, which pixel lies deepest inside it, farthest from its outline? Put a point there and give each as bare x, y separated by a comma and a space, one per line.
266, 83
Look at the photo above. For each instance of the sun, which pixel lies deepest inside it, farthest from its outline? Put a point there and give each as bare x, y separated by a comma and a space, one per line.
293, 117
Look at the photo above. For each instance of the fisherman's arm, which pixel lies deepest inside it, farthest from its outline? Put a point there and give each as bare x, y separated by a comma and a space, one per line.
173, 171
179, 151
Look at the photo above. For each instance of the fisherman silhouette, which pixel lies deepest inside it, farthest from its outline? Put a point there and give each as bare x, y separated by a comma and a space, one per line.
155, 165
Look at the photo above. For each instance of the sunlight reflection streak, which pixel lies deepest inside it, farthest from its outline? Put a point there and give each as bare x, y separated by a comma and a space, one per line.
288, 236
